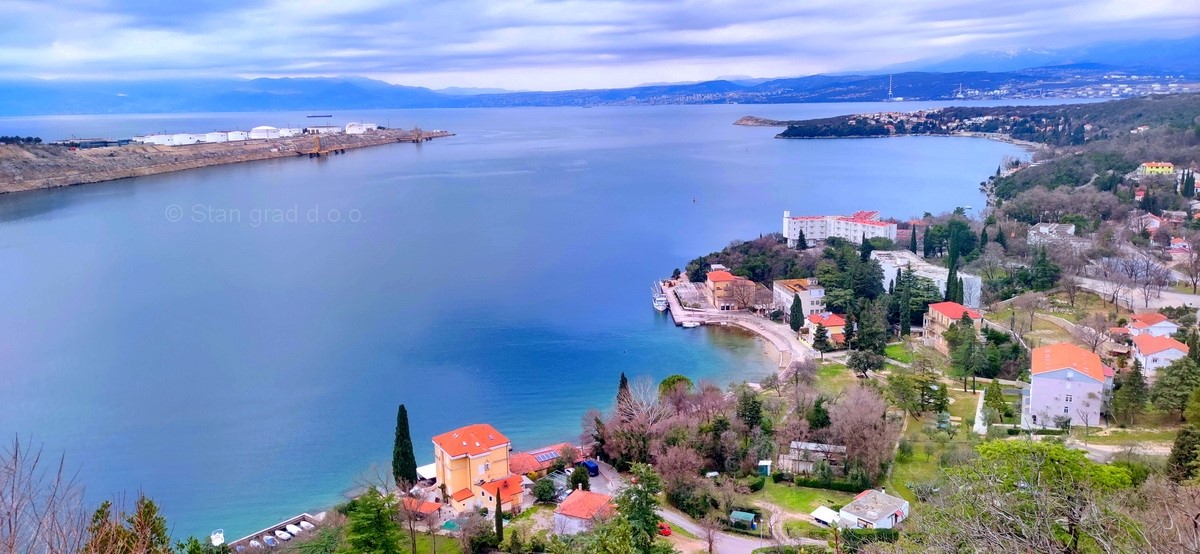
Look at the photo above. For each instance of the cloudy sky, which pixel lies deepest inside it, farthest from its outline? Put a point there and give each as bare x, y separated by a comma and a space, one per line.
545, 44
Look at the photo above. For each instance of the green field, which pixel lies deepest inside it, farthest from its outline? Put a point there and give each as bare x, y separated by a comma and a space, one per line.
801, 499
899, 352
834, 378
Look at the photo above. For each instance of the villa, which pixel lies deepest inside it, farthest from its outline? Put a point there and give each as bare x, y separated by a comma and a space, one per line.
1067, 383
940, 317
1156, 352
812, 296
873, 509
833, 323
580, 510
537, 463
472, 463
723, 288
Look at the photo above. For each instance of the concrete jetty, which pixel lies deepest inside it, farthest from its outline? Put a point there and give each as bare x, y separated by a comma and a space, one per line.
294, 520
779, 335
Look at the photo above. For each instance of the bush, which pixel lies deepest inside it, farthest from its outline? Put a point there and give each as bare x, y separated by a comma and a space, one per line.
857, 538
780, 476
843, 486
758, 484
904, 450
544, 490
485, 542
806, 549
693, 501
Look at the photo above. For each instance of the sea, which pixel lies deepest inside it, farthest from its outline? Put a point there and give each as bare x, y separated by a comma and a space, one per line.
234, 341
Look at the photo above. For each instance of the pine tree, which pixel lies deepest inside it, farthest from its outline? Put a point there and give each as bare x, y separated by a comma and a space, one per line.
821, 339
1001, 239
1183, 453
404, 462
801, 241
912, 240
849, 330
796, 317
623, 390
993, 397
370, 527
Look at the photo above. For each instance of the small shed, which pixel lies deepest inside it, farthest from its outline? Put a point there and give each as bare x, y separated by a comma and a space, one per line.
764, 467
745, 518
825, 515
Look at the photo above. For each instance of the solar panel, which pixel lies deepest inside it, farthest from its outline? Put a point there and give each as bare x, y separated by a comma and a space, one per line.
545, 456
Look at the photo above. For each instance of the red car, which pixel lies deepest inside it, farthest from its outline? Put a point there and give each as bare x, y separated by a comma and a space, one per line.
664, 529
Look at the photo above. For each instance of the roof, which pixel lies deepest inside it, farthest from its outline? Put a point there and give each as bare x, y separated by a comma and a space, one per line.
471, 440
1158, 164
828, 319
954, 310
428, 471
462, 494
505, 488
1150, 344
422, 507
741, 516
720, 276
1065, 355
583, 504
817, 447
872, 505
825, 515
537, 460
1142, 321
798, 285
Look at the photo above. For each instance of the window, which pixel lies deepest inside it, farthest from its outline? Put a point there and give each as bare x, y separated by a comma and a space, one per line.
1066, 410
1068, 398
1068, 386
487, 466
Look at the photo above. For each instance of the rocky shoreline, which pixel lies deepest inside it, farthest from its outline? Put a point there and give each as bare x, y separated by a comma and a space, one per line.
31, 167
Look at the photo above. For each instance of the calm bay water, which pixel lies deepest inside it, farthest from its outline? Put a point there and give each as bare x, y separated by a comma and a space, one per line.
234, 340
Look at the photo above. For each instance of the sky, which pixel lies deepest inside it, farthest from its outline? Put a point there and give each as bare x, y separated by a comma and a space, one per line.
544, 44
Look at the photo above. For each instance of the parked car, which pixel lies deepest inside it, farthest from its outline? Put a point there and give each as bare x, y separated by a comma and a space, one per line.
664, 529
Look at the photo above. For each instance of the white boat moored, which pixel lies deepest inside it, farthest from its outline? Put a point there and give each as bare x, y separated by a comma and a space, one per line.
307, 526
217, 537
691, 324
293, 529
283, 535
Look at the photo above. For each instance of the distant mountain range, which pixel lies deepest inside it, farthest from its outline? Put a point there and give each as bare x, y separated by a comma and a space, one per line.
1162, 66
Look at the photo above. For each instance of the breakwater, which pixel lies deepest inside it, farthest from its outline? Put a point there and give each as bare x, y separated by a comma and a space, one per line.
30, 167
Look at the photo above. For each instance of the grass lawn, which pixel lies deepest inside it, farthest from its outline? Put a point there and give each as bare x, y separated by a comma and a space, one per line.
923, 466
677, 530
899, 352
801, 499
533, 510
1127, 436
445, 545
802, 529
964, 403
834, 378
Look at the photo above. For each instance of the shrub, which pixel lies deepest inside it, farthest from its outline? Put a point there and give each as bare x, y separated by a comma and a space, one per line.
758, 484
693, 501
843, 486
857, 538
904, 450
544, 490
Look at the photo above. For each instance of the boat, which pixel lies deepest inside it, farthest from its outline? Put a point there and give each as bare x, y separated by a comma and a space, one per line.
270, 541
217, 537
691, 324
320, 115
307, 526
660, 299
283, 535
255, 544
293, 529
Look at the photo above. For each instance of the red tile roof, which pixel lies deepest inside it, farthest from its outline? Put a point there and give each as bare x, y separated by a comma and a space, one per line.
462, 495
827, 319
424, 507
838, 338
1150, 344
720, 276
583, 504
1065, 355
526, 462
954, 310
507, 488
471, 440
1142, 321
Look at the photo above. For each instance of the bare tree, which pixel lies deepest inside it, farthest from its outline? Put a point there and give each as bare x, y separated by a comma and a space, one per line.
710, 532
1147, 275
408, 510
1190, 266
859, 421
742, 292
803, 370
1170, 512
1091, 332
1085, 415
41, 505
1028, 303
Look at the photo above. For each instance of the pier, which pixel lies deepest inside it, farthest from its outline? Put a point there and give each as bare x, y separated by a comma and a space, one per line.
294, 520
779, 335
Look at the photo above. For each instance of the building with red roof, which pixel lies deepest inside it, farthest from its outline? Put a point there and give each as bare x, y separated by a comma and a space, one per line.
856, 227
1155, 353
537, 463
727, 291
423, 508
834, 324
1151, 323
580, 510
1067, 383
468, 460
938, 319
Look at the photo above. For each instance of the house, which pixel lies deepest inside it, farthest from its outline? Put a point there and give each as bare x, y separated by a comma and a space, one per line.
423, 508
1156, 352
812, 296
727, 291
1067, 382
834, 324
537, 463
938, 319
472, 463
1147, 222
893, 261
1151, 323
1156, 168
854, 228
580, 509
1053, 235
801, 456
873, 509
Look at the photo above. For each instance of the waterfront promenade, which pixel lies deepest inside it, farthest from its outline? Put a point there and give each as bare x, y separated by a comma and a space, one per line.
779, 335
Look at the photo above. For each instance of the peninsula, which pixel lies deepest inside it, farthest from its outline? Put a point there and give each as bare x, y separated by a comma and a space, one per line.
37, 166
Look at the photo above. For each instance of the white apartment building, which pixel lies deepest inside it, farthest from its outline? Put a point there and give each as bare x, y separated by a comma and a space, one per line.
812, 295
854, 227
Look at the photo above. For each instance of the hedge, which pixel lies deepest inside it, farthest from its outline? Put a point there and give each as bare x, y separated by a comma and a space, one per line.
1013, 431
857, 538
844, 486
758, 484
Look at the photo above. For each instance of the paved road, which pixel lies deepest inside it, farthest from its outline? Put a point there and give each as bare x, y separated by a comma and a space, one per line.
1134, 297
726, 543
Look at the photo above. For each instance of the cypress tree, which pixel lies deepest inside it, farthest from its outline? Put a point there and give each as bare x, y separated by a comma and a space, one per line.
801, 241
983, 238
404, 462
864, 249
952, 282
958, 291
623, 389
796, 317
1001, 239
928, 247
905, 313
912, 240
500, 518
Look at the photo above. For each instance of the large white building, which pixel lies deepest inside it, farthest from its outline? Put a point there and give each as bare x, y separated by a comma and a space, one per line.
264, 132
1067, 382
812, 295
854, 227
892, 260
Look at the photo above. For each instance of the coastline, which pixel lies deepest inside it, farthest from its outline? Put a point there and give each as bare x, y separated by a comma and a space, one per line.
24, 168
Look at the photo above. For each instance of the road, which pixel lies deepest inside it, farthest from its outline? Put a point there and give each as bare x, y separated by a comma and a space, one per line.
1133, 299
726, 543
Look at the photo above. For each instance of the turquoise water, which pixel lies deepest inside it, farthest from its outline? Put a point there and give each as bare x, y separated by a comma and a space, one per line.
234, 340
